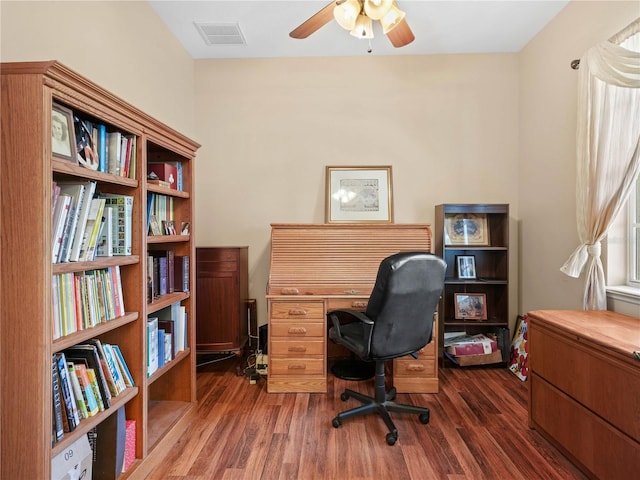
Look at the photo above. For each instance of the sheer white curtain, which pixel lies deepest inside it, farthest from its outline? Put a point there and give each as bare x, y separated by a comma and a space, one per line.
608, 150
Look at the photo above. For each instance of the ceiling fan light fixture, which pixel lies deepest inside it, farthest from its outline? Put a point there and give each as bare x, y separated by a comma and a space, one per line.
392, 18
346, 13
376, 9
363, 28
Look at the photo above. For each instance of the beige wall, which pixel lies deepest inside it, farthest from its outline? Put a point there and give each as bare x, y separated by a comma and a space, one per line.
465, 128
547, 166
448, 125
122, 46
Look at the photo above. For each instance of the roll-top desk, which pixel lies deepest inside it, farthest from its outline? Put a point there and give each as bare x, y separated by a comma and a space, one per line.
316, 268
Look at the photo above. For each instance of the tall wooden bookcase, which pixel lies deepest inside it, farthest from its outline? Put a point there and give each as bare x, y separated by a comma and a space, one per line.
160, 404
489, 247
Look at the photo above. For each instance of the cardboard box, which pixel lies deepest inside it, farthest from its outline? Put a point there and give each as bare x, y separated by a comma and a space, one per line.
471, 345
483, 359
165, 172
74, 462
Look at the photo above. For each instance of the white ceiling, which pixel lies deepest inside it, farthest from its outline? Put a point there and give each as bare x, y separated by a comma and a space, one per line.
440, 27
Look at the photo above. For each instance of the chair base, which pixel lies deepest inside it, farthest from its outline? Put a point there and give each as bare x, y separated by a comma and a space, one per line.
382, 404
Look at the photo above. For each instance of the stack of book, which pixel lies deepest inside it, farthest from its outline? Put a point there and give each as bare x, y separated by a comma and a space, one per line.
85, 378
479, 349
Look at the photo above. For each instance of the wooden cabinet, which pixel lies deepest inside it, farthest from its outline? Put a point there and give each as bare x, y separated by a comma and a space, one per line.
583, 388
477, 233
160, 404
222, 287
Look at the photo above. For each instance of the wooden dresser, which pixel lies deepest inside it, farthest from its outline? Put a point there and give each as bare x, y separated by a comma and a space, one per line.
584, 388
315, 268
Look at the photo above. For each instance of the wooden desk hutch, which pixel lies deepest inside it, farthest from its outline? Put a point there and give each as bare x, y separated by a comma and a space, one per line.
315, 268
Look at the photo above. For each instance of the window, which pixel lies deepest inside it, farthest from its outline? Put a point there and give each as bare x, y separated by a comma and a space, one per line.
634, 237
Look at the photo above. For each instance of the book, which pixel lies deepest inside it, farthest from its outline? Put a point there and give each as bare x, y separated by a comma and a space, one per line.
168, 347
169, 328
76, 191
128, 378
58, 427
88, 354
114, 152
152, 345
181, 273
102, 147
90, 188
92, 374
111, 374
91, 231
68, 395
123, 210
160, 348
60, 217
129, 444
77, 392
114, 365
87, 390
104, 248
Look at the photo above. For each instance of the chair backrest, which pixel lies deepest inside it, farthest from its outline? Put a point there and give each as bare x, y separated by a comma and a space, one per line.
403, 303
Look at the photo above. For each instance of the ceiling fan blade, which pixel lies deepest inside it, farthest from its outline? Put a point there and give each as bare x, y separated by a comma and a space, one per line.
318, 20
401, 35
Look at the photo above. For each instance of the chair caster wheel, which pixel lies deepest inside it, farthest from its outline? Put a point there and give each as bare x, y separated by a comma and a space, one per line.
344, 397
336, 422
424, 418
391, 439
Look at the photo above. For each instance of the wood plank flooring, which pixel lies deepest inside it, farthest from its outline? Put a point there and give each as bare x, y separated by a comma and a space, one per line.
478, 430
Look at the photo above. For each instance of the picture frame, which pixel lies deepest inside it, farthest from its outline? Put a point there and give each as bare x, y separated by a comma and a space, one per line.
470, 306
63, 138
466, 229
359, 194
466, 267
154, 226
169, 227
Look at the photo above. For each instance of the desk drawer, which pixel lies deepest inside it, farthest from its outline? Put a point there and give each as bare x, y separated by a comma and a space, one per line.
296, 366
296, 348
359, 304
281, 330
424, 365
296, 310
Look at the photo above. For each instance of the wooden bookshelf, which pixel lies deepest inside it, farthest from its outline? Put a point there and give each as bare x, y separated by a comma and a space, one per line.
162, 404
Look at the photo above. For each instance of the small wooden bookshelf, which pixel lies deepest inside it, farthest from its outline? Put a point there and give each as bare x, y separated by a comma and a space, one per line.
161, 404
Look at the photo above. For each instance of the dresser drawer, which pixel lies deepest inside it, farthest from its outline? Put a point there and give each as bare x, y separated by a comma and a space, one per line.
296, 348
298, 366
589, 376
217, 255
281, 330
296, 310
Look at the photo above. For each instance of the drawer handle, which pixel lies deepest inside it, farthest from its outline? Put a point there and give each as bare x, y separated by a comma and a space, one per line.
298, 349
298, 330
359, 304
351, 292
290, 291
297, 366
415, 368
298, 311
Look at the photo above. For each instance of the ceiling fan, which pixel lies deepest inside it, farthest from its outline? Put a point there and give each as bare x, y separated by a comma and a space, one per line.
357, 16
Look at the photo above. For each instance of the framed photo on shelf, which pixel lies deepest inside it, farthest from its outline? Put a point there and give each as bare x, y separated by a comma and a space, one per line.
359, 195
466, 267
63, 139
470, 306
154, 226
466, 229
169, 227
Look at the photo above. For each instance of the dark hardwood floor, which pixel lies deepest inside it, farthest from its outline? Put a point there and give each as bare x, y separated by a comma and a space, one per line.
478, 430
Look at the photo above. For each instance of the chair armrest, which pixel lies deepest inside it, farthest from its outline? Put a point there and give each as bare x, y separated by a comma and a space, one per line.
350, 315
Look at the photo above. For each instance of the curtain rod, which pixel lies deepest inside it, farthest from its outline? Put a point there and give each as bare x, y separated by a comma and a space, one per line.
618, 38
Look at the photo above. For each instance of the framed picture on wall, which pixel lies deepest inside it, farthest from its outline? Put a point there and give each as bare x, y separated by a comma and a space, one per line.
359, 195
63, 139
466, 267
470, 306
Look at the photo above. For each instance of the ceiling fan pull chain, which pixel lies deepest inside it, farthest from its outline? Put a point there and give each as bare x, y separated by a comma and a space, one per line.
370, 49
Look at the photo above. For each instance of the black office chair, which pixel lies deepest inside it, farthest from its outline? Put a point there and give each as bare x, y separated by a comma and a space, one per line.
398, 321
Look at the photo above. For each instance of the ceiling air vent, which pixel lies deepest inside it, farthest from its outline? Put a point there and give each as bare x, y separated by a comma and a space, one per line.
220, 33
